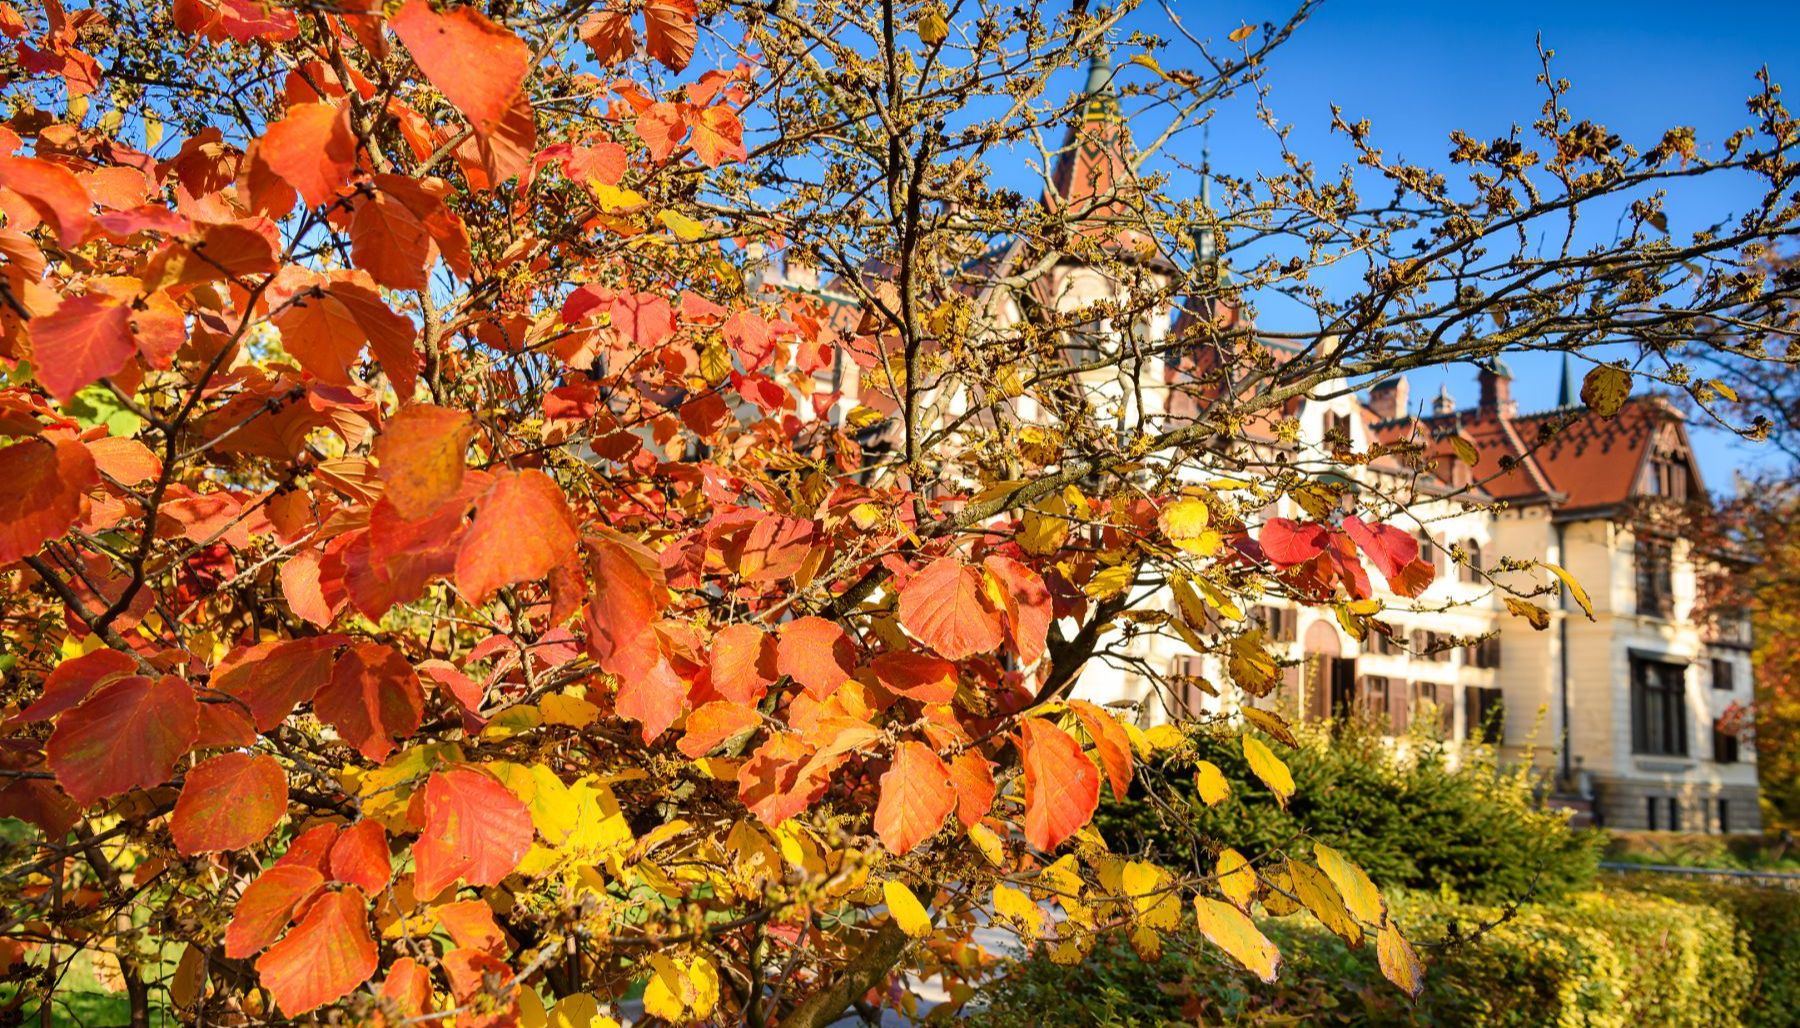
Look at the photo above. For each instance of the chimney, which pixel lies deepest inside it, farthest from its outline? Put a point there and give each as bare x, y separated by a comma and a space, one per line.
1388, 399
1443, 404
1496, 389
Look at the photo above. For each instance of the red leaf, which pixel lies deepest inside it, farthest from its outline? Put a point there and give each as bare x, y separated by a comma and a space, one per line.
748, 336
916, 797
360, 857
126, 736
313, 149
743, 663
53, 192
944, 607
627, 598
523, 530
82, 341
275, 677
1394, 553
1028, 607
372, 697
972, 775
74, 679
1110, 742
817, 654
311, 848
266, 907
328, 954
478, 66
770, 784
421, 454
472, 926
1287, 542
475, 829
917, 676
669, 32
1062, 786
718, 136
44, 486
408, 987
229, 802
712, 723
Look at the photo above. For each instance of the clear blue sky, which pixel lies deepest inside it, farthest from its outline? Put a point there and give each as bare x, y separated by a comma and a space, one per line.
1418, 70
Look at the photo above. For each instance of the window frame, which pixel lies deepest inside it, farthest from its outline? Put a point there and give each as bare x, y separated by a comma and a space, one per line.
1659, 716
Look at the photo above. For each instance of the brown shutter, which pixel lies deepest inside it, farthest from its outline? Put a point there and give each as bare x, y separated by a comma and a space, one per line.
1399, 713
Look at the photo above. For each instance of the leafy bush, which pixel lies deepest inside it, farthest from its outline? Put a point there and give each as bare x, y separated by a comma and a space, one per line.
1720, 852
1410, 820
1768, 921
1605, 958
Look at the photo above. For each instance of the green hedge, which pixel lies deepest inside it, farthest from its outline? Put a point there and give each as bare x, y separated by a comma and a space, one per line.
1618, 957
1475, 831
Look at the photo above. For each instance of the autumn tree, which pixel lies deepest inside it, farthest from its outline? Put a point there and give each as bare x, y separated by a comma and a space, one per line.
444, 577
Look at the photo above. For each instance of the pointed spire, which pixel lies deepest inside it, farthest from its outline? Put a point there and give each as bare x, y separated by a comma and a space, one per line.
1094, 162
1206, 244
1443, 404
1565, 396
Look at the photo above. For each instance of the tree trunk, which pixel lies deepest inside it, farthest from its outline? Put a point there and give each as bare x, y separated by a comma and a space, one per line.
868, 968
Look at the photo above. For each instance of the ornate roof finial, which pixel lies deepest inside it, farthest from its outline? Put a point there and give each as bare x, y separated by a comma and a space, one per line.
1444, 404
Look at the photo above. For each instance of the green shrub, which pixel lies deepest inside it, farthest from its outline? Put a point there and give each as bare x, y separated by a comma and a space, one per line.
1768, 920
1719, 852
1410, 820
1611, 959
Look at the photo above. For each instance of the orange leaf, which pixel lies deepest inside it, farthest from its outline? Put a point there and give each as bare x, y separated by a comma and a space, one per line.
1110, 742
408, 987
1062, 786
360, 857
472, 926
1027, 606
373, 696
609, 35
917, 676
328, 954
718, 136
388, 241
743, 663
45, 483
944, 606
478, 66
74, 680
475, 829
229, 802
972, 775
275, 677
523, 530
669, 32
712, 723
661, 127
53, 192
421, 454
126, 736
817, 654
628, 595
85, 339
916, 797
266, 907
313, 149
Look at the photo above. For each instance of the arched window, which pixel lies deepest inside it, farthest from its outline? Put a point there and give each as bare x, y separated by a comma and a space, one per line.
1471, 569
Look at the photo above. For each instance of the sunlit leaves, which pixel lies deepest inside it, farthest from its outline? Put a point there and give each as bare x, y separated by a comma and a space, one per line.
421, 454
815, 653
1269, 769
1062, 786
325, 956
84, 340
523, 530
45, 483
1605, 389
670, 33
229, 802
946, 607
53, 192
475, 830
447, 44
1230, 929
1210, 783
373, 696
88, 751
905, 908
313, 149
1399, 964
916, 797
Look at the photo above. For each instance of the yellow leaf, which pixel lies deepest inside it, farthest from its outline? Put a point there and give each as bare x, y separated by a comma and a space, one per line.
933, 29
1044, 528
1236, 881
1270, 724
1111, 581
579, 1010
1210, 783
1465, 450
663, 992
1576, 592
1269, 768
1164, 737
562, 709
1605, 389
1360, 894
988, 843
616, 200
1228, 928
683, 227
1538, 616
1277, 899
706, 986
906, 909
1147, 61
1313, 888
1399, 964
1723, 390
1241, 33
1184, 524
1026, 917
